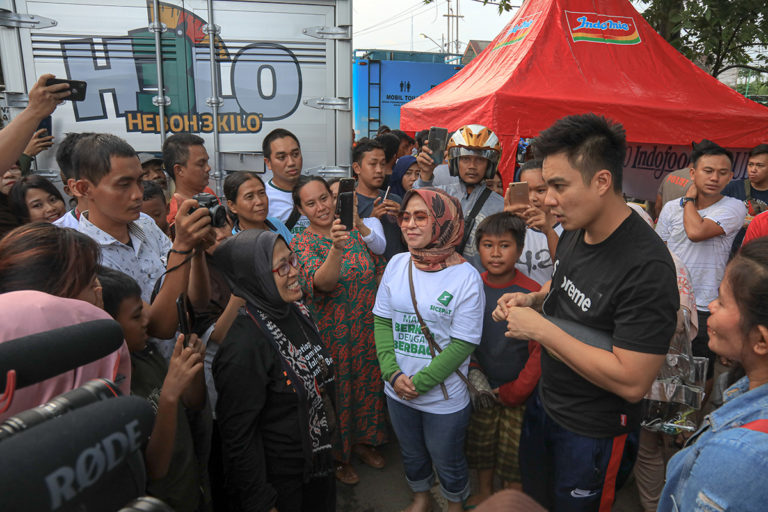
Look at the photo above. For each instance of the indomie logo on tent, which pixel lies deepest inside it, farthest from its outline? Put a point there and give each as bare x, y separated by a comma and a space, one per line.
519, 30
600, 28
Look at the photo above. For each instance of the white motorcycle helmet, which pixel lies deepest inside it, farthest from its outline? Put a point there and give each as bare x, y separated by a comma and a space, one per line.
474, 139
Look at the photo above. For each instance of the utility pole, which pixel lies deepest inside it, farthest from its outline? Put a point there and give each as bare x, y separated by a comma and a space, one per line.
453, 28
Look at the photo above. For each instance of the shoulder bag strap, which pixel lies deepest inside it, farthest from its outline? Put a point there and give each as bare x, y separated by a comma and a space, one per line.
293, 218
433, 346
469, 220
747, 190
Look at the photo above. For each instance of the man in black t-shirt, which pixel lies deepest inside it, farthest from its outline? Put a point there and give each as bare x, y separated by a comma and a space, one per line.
606, 320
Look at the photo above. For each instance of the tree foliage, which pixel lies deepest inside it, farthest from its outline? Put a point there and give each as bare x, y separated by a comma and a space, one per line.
716, 34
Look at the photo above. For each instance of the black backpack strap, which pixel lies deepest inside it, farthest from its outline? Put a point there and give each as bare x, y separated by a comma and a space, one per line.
293, 218
469, 220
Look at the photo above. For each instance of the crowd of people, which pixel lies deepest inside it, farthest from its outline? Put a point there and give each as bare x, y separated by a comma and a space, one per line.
513, 338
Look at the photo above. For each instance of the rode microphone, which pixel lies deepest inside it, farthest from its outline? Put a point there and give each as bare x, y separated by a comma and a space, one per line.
86, 460
43, 355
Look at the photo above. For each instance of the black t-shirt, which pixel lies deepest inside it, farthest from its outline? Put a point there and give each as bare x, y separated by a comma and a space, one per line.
625, 286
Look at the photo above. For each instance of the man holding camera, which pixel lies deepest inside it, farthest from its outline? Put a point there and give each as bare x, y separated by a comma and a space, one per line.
109, 177
473, 155
186, 161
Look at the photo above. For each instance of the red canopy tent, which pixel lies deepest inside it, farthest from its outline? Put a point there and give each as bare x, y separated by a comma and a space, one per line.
562, 57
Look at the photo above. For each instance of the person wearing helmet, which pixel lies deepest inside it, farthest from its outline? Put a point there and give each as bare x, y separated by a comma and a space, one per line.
473, 155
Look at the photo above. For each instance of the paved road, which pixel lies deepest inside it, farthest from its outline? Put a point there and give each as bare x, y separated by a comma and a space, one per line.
385, 490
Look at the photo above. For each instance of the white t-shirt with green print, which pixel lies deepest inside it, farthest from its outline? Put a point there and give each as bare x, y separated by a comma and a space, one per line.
452, 303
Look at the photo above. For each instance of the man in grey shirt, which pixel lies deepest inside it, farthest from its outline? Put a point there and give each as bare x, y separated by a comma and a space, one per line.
473, 155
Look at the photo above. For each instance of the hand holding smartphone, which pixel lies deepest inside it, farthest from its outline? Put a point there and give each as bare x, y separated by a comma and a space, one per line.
77, 88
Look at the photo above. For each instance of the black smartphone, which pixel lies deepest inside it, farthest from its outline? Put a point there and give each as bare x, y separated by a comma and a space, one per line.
47, 125
436, 142
346, 185
181, 308
345, 204
76, 88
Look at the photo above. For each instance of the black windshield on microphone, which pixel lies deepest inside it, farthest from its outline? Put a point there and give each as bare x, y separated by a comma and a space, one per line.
87, 460
91, 391
43, 355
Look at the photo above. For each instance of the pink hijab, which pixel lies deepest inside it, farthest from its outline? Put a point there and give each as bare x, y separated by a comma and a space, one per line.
29, 312
447, 230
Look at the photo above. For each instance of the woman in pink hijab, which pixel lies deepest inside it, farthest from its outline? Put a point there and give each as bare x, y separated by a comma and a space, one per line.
428, 401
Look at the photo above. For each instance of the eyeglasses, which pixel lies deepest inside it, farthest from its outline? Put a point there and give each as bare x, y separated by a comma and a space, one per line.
420, 218
285, 267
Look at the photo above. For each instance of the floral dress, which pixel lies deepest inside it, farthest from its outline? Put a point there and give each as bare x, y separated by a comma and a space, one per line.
345, 321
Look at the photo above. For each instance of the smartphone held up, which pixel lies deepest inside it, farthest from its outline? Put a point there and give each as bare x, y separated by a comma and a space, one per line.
517, 193
345, 203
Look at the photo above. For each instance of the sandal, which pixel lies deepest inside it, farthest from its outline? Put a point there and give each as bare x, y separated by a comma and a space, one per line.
369, 455
346, 474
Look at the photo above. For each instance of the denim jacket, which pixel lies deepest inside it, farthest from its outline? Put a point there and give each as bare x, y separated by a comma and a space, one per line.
723, 467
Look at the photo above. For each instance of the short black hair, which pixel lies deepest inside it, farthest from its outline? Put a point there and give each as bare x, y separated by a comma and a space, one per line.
115, 288
17, 197
590, 142
151, 190
92, 156
363, 146
277, 133
64, 153
531, 164
500, 224
305, 180
707, 147
176, 150
383, 129
390, 143
760, 149
401, 135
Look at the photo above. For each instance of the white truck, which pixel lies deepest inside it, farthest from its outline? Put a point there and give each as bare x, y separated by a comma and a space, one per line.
230, 71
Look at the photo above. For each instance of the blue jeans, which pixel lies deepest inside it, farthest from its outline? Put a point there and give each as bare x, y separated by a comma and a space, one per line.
565, 471
426, 439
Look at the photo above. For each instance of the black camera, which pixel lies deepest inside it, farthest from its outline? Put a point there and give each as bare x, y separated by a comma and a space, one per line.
218, 213
91, 391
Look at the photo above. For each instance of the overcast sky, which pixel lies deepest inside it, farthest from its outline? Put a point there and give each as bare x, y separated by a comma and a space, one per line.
396, 24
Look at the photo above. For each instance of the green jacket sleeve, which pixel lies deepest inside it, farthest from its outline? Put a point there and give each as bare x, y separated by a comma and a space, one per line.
385, 346
443, 365
25, 164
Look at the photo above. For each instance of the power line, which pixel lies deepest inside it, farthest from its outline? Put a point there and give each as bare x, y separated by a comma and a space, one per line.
393, 20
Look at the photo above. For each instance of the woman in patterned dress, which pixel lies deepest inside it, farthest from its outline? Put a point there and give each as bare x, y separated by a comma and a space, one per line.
339, 276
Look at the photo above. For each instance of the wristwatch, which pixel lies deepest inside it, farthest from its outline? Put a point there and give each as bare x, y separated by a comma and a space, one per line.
684, 200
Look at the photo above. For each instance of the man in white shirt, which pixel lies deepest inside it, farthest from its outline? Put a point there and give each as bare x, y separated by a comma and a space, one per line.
282, 155
700, 227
